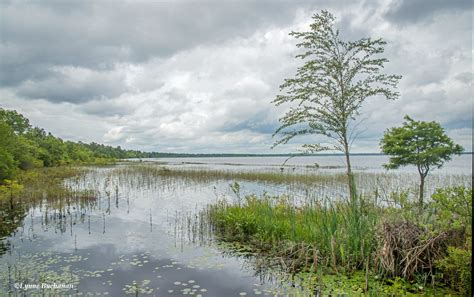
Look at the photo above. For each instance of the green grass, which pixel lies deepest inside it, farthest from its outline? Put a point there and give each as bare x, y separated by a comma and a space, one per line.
339, 234
48, 185
205, 175
38, 186
354, 238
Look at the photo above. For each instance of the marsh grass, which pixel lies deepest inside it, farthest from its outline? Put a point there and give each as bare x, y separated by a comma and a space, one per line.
55, 186
344, 237
206, 175
331, 234
304, 187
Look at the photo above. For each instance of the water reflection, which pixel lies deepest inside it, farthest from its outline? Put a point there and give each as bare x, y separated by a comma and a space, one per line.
145, 234
127, 241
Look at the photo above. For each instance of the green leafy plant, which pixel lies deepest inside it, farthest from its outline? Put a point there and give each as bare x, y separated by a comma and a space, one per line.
456, 269
329, 89
423, 144
454, 207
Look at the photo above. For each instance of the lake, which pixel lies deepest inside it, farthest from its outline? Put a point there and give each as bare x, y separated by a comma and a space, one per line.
361, 163
143, 234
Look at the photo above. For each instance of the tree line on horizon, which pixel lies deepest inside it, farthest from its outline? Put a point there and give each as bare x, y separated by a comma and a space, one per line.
23, 146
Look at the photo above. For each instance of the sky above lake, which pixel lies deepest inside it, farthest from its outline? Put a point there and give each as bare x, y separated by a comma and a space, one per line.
199, 76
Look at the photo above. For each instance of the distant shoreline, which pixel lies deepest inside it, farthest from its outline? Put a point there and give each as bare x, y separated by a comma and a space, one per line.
187, 155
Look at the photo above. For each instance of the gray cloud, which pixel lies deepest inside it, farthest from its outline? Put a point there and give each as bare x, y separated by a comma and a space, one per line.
199, 77
412, 11
74, 85
97, 35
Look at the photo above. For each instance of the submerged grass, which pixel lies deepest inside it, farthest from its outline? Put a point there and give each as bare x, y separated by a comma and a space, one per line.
45, 187
304, 186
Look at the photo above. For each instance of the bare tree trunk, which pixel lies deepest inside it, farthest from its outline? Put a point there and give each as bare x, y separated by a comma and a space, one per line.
350, 176
423, 174
422, 187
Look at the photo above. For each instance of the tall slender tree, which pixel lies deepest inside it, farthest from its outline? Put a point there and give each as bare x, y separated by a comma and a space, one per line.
327, 92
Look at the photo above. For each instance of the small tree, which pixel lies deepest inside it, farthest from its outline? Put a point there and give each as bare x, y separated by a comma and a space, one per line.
423, 144
329, 89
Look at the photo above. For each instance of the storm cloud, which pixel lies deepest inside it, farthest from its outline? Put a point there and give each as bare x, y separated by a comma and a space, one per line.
192, 76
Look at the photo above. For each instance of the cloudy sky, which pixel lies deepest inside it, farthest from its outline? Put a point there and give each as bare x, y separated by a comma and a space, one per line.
190, 76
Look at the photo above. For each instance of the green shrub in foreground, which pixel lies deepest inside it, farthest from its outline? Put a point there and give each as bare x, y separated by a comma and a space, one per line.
456, 269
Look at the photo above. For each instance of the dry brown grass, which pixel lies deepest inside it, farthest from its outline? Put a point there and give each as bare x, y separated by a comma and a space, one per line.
406, 249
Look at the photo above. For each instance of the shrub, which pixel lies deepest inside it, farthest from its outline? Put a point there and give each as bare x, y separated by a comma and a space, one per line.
454, 207
456, 269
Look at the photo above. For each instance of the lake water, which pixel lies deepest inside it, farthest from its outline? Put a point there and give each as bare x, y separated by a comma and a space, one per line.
361, 163
136, 237
135, 232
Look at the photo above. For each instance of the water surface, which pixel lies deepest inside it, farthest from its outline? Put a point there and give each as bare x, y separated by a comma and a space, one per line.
141, 237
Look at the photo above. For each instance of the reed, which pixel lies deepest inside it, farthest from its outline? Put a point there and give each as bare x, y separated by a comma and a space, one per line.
55, 186
358, 236
308, 186
331, 234
206, 175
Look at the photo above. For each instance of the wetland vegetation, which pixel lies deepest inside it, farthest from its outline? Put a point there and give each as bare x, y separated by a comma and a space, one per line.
183, 227
77, 219
196, 228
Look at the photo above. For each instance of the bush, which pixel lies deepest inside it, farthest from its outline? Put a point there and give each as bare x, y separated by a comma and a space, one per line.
456, 269
454, 207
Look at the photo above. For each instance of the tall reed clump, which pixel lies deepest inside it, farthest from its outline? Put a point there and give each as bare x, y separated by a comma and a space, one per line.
336, 235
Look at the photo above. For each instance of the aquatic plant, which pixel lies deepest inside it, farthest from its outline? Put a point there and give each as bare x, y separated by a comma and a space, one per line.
345, 237
334, 234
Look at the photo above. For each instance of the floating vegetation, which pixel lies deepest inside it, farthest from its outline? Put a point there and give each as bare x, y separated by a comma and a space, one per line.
39, 268
145, 229
138, 288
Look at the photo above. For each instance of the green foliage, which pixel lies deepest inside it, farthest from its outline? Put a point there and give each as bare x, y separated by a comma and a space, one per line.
24, 147
10, 188
341, 233
454, 207
16, 121
456, 269
8, 142
7, 164
329, 89
423, 144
